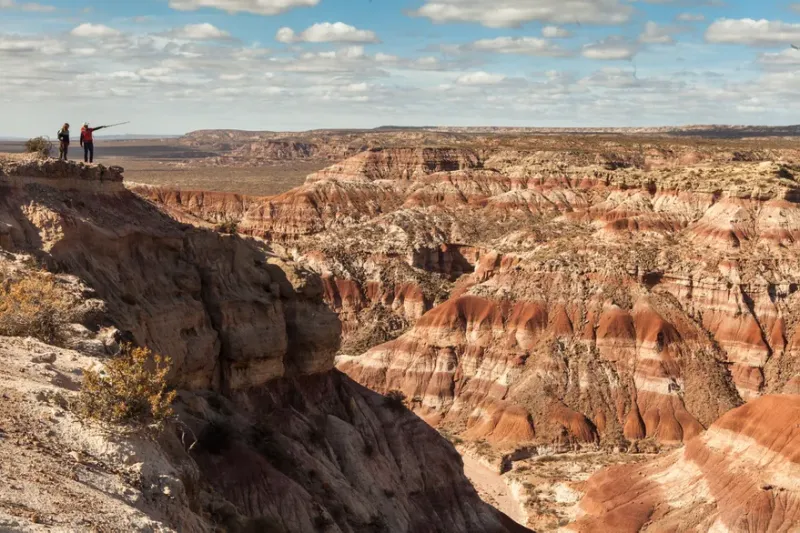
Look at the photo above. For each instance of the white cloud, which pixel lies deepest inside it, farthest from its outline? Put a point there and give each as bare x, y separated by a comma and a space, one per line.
611, 78
199, 32
513, 13
519, 45
613, 48
94, 31
655, 34
712, 3
691, 17
37, 8
285, 35
795, 7
480, 78
259, 7
124, 75
554, 32
357, 88
753, 32
385, 58
20, 46
30, 6
327, 32
787, 58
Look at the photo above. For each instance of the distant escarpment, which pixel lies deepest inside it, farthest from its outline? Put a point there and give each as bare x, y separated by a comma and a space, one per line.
271, 437
552, 296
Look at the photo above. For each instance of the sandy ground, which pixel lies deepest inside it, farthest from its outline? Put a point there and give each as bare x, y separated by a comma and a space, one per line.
50, 466
493, 489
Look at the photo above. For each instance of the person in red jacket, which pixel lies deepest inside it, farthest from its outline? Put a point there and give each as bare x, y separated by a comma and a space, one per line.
87, 141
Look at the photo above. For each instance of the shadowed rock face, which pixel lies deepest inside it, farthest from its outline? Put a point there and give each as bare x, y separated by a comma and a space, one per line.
229, 316
569, 298
743, 474
283, 437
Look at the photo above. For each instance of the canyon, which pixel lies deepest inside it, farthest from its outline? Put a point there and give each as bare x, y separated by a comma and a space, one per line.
551, 304
552, 294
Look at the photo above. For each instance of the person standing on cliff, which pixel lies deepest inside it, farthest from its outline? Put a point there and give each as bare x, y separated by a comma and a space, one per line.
87, 141
63, 142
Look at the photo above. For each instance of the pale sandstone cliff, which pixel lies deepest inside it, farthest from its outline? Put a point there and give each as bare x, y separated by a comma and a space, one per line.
285, 442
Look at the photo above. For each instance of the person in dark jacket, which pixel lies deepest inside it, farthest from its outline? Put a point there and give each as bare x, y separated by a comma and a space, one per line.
87, 141
63, 142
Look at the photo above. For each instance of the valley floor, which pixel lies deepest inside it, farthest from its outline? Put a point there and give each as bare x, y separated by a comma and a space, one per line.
493, 489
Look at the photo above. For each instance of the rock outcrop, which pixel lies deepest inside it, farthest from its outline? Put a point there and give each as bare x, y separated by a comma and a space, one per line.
284, 442
743, 474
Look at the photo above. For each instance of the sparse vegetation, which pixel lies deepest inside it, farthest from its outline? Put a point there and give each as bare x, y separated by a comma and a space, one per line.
40, 146
35, 306
395, 400
455, 440
230, 227
132, 390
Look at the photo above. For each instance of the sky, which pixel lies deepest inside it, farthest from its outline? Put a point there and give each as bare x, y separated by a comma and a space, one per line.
173, 66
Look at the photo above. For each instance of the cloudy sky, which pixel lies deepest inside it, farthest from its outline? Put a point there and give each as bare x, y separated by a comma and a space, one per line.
172, 66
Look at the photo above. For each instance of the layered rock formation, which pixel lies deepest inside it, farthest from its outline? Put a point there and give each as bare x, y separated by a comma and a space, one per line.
284, 441
743, 474
608, 293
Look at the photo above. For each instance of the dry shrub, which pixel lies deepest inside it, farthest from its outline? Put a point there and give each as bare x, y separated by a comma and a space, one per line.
395, 400
132, 390
231, 227
35, 306
39, 145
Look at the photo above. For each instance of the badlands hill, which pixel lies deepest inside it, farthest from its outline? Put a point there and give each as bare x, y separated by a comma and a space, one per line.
552, 293
743, 474
284, 442
549, 295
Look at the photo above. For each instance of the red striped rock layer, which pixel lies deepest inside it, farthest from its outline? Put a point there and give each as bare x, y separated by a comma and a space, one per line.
720, 214
198, 207
743, 474
555, 370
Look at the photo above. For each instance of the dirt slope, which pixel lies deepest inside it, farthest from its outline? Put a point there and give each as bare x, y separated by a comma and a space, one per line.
743, 474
